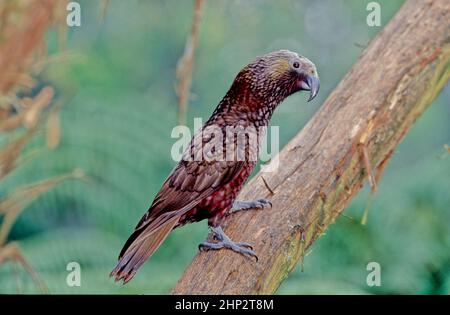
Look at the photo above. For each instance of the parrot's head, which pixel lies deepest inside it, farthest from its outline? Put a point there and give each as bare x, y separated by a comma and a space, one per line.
279, 74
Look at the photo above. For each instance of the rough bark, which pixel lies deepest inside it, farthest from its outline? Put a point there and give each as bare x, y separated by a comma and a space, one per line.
325, 165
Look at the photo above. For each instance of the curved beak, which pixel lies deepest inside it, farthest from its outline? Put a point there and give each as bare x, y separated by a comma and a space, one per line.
311, 84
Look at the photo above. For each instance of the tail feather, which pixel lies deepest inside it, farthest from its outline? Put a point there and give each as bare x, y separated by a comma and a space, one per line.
139, 247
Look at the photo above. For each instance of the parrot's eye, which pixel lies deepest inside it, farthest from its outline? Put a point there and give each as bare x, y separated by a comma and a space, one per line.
296, 65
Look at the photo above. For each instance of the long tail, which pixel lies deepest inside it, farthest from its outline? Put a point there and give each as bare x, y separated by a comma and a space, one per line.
139, 247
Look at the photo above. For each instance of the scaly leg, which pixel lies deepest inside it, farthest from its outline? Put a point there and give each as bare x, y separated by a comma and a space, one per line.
253, 204
225, 242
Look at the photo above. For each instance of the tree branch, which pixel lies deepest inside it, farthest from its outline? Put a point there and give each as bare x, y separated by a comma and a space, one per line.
185, 65
322, 169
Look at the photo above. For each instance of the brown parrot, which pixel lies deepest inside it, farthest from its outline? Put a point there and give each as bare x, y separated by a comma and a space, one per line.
217, 162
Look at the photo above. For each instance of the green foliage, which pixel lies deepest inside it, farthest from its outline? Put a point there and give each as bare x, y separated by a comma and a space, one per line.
117, 128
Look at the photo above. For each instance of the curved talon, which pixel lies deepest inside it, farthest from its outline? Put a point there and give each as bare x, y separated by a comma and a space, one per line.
263, 202
248, 252
243, 244
201, 247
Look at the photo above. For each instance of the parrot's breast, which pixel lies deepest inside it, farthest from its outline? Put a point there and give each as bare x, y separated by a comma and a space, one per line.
216, 206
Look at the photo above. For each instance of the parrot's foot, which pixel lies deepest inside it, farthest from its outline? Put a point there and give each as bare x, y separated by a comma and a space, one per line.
225, 242
253, 204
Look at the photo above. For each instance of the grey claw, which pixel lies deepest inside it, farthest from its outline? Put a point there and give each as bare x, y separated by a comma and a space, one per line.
255, 204
225, 242
263, 203
243, 244
249, 253
244, 249
241, 248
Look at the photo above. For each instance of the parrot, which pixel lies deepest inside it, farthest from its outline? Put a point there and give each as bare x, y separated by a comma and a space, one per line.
217, 163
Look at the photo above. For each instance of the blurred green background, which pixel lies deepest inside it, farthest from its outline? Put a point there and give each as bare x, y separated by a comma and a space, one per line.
118, 124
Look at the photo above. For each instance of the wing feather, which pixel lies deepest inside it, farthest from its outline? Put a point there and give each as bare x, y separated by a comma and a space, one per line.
189, 183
